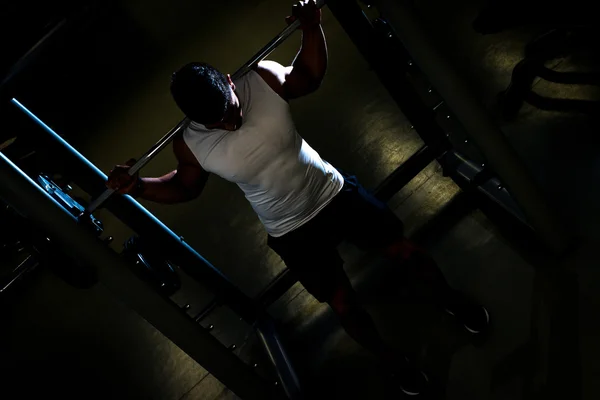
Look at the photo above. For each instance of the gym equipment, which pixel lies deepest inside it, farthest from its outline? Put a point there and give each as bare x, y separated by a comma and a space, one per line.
29, 199
150, 265
166, 139
73, 272
69, 203
370, 42
490, 141
20, 239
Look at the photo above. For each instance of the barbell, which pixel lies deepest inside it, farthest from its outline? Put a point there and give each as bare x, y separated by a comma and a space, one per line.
168, 137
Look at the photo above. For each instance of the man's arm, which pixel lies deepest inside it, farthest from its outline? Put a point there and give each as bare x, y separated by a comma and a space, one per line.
308, 68
306, 73
183, 184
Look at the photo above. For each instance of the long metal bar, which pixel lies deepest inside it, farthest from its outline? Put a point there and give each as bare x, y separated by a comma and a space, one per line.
466, 170
166, 139
145, 159
32, 53
54, 39
26, 266
29, 199
269, 337
489, 139
406, 172
277, 287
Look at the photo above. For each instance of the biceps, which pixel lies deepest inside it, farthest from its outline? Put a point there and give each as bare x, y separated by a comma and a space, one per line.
191, 177
297, 83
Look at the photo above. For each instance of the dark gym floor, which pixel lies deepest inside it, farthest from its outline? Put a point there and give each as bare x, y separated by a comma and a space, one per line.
57, 340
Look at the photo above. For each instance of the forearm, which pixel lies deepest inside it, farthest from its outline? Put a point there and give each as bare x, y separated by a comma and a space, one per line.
312, 57
166, 190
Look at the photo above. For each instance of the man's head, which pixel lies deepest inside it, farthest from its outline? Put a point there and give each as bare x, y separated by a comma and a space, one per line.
206, 96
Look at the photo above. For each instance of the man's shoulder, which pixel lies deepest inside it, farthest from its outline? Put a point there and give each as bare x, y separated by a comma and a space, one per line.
274, 75
271, 71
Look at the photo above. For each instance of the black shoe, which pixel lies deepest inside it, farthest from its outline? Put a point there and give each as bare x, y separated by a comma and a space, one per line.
474, 317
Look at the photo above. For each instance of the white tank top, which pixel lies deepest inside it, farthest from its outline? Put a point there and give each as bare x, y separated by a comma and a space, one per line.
284, 179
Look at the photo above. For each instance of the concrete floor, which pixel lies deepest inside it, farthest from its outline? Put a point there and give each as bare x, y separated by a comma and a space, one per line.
86, 344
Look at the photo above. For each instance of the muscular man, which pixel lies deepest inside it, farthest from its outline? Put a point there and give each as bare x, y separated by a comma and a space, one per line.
243, 131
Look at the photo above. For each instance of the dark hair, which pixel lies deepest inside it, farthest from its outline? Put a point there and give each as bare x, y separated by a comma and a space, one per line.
201, 92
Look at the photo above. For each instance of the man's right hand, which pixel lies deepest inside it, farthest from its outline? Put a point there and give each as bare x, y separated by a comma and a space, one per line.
120, 181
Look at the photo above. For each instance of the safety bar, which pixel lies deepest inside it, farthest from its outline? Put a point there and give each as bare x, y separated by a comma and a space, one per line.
90, 179
30, 200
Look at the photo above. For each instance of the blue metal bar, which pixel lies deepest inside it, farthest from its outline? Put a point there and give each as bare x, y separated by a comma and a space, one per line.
89, 178
144, 222
29, 199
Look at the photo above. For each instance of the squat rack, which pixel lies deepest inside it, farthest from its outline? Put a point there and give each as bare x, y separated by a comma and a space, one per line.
374, 39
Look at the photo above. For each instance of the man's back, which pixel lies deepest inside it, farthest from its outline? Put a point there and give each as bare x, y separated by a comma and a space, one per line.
283, 178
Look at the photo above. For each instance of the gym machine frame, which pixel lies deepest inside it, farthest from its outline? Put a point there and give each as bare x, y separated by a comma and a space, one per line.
370, 43
32, 201
404, 35
489, 139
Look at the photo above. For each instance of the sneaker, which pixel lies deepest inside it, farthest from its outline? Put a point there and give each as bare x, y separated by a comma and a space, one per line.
474, 317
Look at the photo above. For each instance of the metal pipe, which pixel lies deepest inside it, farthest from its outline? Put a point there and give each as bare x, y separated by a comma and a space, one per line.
26, 266
26, 58
406, 172
30, 200
30, 56
277, 287
145, 159
166, 139
269, 337
487, 136
265, 51
467, 171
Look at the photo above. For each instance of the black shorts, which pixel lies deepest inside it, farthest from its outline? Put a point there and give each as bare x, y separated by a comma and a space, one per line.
354, 215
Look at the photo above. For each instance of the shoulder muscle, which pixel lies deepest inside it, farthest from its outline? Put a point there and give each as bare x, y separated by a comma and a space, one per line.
274, 74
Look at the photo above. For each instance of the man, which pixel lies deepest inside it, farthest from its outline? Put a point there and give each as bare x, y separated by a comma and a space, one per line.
243, 131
